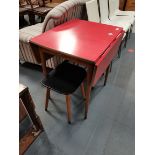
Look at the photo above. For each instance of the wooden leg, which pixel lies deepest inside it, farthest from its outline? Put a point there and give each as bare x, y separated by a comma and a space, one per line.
88, 90
43, 64
47, 97
110, 68
82, 90
68, 104
106, 75
22, 21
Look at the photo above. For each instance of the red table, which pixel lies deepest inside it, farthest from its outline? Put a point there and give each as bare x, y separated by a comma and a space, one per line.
90, 44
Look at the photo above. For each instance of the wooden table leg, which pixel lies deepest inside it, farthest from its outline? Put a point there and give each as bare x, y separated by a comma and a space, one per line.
47, 98
106, 75
83, 90
110, 69
88, 88
43, 62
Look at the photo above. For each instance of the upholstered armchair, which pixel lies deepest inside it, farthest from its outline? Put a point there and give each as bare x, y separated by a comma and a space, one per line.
63, 12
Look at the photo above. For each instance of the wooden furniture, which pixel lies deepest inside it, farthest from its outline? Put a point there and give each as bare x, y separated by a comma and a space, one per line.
90, 44
121, 4
62, 13
127, 5
27, 108
22, 113
53, 3
26, 99
130, 5
65, 79
26, 4
25, 8
41, 10
22, 12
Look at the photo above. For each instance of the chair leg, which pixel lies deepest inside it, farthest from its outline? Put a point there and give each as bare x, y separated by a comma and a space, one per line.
68, 104
82, 90
129, 33
120, 50
42, 19
106, 75
126, 38
47, 97
31, 19
130, 30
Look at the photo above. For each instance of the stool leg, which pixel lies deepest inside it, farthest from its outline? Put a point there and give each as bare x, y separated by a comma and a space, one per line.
47, 97
68, 104
82, 90
106, 75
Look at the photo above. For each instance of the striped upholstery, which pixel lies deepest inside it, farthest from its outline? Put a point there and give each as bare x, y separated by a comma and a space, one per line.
64, 12
27, 33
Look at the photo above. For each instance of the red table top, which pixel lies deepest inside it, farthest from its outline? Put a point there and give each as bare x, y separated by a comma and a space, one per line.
83, 39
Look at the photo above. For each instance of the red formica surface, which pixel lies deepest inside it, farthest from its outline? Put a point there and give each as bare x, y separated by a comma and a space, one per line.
87, 40
94, 42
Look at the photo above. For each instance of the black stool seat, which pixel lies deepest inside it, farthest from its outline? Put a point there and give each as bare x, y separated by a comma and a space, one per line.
65, 78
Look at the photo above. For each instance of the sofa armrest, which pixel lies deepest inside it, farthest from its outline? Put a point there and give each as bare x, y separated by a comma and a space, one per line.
64, 12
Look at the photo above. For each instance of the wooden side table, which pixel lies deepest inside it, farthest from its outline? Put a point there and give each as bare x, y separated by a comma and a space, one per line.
26, 100
40, 11
22, 12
